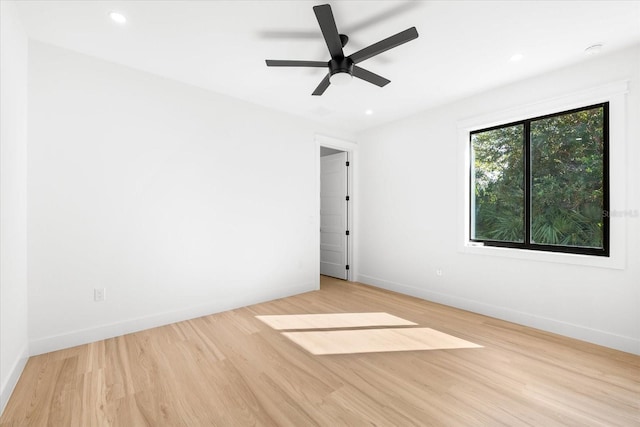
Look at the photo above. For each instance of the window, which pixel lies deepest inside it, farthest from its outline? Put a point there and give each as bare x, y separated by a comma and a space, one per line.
542, 183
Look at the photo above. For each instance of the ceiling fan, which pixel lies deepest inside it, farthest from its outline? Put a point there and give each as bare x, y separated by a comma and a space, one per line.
341, 68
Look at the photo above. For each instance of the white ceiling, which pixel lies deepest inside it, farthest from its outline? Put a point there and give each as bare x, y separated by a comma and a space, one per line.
464, 46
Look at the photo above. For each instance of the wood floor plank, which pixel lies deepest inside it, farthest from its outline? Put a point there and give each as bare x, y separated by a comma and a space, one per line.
231, 369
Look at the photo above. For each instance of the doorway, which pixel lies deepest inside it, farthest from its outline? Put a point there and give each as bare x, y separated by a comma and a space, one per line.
329, 145
334, 213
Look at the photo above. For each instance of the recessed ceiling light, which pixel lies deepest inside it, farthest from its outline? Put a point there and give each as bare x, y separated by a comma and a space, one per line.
368, 112
516, 57
117, 17
593, 49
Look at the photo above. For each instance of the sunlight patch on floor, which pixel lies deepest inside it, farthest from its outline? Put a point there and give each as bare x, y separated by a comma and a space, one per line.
345, 339
376, 340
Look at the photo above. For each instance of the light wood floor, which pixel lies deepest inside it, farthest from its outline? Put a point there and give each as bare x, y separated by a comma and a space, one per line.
231, 369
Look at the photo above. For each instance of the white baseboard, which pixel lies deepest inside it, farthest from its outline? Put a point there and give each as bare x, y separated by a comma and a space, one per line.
595, 336
12, 379
85, 336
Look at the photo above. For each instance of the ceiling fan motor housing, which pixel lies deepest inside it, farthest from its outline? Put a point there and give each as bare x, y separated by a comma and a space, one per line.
341, 65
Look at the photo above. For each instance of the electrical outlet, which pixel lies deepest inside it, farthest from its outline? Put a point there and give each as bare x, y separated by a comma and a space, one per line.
99, 294
439, 272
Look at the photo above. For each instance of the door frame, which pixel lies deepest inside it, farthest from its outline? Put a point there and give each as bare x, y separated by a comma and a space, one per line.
352, 187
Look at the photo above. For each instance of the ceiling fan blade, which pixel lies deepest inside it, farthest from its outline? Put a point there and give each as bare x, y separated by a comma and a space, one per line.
329, 30
324, 84
285, 63
367, 75
384, 45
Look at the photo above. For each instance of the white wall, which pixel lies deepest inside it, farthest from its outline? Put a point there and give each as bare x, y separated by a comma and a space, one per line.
178, 201
13, 200
410, 208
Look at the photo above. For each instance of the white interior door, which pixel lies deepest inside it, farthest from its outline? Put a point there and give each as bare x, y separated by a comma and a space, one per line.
333, 215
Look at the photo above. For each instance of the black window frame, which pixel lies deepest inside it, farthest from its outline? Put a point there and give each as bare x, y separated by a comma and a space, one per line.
527, 244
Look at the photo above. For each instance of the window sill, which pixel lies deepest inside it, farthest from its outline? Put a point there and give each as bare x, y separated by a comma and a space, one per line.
613, 262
